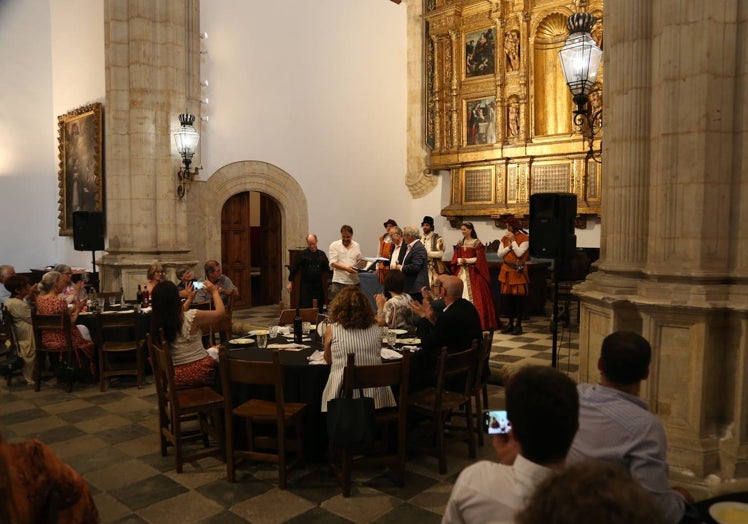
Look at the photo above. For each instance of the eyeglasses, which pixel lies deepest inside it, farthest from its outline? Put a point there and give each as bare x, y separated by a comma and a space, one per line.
436, 285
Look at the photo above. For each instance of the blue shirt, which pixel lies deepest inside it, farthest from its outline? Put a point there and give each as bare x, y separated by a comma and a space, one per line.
617, 427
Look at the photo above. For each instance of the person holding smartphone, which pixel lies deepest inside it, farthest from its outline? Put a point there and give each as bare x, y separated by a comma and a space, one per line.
542, 406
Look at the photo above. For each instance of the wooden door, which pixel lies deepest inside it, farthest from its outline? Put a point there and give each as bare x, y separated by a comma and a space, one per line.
235, 246
271, 274
251, 253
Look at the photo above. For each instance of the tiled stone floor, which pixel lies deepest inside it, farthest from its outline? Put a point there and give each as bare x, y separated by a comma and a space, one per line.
111, 439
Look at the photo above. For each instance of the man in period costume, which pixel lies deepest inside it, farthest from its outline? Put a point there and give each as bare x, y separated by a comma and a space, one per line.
434, 245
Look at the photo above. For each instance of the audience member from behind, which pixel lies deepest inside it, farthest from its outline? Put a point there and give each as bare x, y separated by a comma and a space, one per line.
396, 312
214, 274
20, 312
193, 366
33, 480
542, 406
5, 273
353, 330
616, 426
590, 492
51, 302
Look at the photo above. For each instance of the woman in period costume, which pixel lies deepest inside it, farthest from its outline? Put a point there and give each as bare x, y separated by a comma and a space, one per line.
469, 263
514, 279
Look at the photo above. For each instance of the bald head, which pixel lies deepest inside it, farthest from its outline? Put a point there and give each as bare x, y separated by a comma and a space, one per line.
311, 242
6, 272
452, 286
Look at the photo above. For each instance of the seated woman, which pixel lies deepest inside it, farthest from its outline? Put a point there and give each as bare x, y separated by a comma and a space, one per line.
353, 330
51, 302
192, 364
395, 313
71, 291
155, 275
34, 482
20, 312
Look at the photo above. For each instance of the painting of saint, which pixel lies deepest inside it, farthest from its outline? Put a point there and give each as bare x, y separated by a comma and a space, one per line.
481, 121
479, 53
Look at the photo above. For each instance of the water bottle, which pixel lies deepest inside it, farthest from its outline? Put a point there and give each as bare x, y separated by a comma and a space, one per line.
297, 330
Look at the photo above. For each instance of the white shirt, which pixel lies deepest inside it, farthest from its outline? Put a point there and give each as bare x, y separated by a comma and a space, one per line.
488, 492
346, 256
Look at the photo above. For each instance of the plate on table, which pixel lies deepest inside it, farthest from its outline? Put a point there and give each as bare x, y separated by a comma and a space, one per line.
729, 512
410, 341
398, 331
241, 341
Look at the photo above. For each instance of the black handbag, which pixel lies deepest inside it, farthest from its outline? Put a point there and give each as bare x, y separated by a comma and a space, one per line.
351, 422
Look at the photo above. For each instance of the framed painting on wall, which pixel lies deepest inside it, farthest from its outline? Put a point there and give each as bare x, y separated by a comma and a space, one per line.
479, 53
80, 152
480, 121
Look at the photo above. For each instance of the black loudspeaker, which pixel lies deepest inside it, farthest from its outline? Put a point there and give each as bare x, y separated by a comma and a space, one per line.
552, 225
88, 230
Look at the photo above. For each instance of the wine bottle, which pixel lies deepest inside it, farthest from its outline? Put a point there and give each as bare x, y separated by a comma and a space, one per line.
297, 334
146, 297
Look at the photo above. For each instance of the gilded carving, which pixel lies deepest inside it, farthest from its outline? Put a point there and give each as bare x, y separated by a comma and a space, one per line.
496, 92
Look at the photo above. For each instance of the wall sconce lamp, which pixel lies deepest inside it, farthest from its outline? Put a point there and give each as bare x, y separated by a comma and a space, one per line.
580, 59
187, 139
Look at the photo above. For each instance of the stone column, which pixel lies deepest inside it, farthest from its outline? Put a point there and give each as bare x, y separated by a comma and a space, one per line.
674, 243
152, 75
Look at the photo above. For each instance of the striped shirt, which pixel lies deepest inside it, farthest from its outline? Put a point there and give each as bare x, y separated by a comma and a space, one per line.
366, 344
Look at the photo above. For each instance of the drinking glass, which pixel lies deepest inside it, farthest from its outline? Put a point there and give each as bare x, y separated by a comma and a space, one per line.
262, 340
273, 330
305, 328
391, 338
112, 301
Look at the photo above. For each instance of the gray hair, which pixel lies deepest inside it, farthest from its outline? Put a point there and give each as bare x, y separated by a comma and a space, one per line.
411, 232
62, 268
181, 270
48, 281
396, 230
5, 269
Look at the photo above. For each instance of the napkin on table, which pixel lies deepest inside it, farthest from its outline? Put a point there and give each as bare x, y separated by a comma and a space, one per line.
317, 358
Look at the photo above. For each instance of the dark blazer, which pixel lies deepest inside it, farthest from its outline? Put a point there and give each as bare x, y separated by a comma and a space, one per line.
455, 328
416, 268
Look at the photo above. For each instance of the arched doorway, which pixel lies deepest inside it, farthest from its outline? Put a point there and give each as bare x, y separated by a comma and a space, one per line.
251, 247
210, 196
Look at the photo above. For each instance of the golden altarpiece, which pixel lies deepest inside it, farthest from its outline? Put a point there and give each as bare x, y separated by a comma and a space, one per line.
499, 113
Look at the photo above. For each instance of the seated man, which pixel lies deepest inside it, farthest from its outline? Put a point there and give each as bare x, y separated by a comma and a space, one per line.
225, 286
542, 406
615, 425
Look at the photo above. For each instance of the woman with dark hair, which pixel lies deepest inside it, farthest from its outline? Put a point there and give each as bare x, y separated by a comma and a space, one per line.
395, 313
193, 366
469, 263
353, 330
20, 312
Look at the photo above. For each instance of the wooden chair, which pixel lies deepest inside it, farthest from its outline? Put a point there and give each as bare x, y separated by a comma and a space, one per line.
222, 330
276, 414
281, 306
479, 392
11, 361
119, 325
65, 354
178, 406
287, 316
382, 453
438, 402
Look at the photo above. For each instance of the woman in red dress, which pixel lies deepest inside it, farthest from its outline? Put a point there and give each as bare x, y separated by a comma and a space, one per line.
51, 302
469, 263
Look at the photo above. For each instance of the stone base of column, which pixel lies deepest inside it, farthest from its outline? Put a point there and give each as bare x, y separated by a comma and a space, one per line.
127, 270
698, 383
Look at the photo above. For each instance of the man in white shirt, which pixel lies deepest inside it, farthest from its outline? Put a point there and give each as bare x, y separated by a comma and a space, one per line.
343, 255
5, 273
543, 407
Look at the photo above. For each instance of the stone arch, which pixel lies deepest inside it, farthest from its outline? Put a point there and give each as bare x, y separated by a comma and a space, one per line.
252, 175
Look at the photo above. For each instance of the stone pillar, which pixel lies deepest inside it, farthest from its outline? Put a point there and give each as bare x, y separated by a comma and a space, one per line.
152, 74
674, 243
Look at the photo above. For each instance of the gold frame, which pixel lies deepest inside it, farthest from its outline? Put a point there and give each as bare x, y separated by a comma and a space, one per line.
80, 177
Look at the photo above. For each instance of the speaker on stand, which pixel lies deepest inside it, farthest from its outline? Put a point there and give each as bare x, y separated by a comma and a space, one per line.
88, 235
552, 236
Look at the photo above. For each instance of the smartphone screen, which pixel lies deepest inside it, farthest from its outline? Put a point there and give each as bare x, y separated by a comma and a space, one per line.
197, 285
496, 422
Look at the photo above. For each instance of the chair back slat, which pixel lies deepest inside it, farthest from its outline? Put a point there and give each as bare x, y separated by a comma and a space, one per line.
451, 366
287, 316
375, 375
